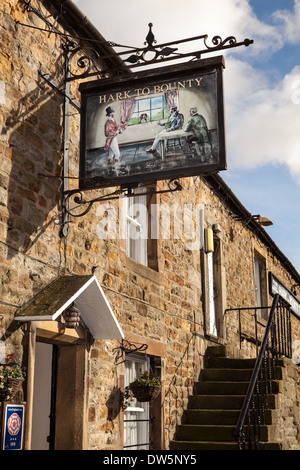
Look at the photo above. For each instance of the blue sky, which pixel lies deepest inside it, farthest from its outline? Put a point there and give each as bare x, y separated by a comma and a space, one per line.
261, 90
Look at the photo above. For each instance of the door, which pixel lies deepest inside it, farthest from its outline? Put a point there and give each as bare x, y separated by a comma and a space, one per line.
43, 397
136, 416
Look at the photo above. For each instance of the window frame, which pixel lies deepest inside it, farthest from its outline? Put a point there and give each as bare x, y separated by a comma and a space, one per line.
261, 283
163, 109
147, 247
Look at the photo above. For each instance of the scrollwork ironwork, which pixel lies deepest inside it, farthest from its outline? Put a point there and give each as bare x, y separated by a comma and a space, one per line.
150, 40
77, 196
164, 51
127, 347
82, 60
80, 200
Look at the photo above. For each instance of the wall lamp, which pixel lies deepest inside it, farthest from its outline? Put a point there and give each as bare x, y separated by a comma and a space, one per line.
262, 220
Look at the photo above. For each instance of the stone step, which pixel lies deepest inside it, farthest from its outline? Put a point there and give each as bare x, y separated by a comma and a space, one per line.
215, 362
228, 388
215, 433
206, 445
213, 417
209, 422
221, 402
229, 363
223, 351
219, 374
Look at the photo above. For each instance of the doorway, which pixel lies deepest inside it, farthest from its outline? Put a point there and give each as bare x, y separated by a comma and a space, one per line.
58, 412
44, 397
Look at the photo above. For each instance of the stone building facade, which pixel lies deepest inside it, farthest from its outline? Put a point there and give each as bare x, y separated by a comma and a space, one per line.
159, 313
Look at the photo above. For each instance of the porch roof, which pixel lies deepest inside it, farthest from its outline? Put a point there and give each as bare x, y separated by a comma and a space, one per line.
88, 297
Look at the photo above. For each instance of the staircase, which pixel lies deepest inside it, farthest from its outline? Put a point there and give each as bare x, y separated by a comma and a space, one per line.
213, 410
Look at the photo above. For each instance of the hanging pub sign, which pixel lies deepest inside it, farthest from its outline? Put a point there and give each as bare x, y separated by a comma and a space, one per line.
163, 124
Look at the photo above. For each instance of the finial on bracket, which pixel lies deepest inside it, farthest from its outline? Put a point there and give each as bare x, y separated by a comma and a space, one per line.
150, 39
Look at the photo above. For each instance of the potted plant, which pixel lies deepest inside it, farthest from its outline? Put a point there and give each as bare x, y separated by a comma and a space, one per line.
11, 377
144, 388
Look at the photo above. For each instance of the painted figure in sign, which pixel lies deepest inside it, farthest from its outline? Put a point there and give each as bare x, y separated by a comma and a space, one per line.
173, 122
112, 130
197, 125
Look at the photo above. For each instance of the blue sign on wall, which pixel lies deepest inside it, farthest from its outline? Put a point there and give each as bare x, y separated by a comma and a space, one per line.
13, 428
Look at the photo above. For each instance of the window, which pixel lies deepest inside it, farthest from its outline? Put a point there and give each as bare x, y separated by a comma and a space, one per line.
141, 244
260, 279
148, 110
137, 227
136, 416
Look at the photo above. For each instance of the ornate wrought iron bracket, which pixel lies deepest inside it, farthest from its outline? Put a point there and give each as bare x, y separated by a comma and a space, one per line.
80, 200
153, 54
126, 347
162, 52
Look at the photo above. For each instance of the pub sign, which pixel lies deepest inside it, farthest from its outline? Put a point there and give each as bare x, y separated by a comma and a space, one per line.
163, 124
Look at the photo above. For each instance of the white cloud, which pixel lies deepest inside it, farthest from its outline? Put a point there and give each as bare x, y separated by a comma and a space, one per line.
263, 118
289, 23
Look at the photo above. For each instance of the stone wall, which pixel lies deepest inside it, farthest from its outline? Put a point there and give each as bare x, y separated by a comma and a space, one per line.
30, 143
287, 430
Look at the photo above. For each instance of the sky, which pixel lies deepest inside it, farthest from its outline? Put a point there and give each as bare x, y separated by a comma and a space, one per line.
261, 91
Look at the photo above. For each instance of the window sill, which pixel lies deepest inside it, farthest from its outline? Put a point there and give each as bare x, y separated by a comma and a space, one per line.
141, 269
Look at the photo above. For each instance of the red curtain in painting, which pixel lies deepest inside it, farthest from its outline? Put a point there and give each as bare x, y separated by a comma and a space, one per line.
127, 107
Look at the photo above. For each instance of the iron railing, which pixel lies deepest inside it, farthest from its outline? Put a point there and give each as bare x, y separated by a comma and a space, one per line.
275, 343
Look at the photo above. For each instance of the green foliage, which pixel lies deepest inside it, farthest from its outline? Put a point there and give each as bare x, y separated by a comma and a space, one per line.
145, 380
9, 371
13, 371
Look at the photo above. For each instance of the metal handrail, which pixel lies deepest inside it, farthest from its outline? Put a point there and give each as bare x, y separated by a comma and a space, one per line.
260, 389
256, 369
257, 320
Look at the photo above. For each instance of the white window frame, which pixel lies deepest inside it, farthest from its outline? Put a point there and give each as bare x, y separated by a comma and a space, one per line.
137, 227
136, 416
211, 294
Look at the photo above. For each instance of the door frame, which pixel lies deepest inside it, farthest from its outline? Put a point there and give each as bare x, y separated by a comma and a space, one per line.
69, 430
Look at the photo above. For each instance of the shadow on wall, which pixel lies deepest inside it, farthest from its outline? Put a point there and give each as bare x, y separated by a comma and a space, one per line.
35, 147
114, 403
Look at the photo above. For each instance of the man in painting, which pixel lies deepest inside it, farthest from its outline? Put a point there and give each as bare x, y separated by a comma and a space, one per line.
111, 131
173, 122
198, 127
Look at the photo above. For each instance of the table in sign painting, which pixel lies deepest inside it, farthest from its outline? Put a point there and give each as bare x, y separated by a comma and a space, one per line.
177, 135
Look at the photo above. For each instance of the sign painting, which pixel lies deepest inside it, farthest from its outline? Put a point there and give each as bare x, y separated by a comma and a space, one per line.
169, 125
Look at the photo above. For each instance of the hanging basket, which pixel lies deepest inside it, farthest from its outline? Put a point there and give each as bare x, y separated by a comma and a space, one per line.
145, 392
14, 384
10, 389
